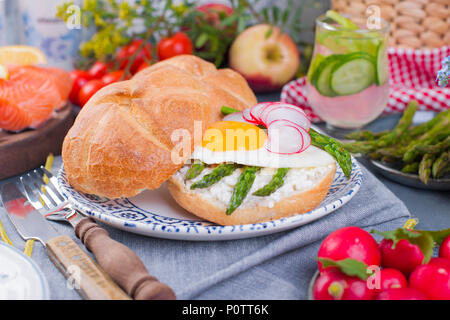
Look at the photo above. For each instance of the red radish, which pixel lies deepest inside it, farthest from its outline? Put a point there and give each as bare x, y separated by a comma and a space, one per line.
350, 242
405, 257
330, 285
433, 279
358, 290
335, 285
286, 112
444, 249
401, 294
247, 116
256, 110
391, 279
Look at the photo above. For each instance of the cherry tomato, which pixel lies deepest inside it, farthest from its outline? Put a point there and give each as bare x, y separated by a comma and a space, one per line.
126, 52
178, 44
444, 249
405, 257
433, 279
88, 90
143, 65
350, 242
79, 79
212, 12
391, 279
401, 294
113, 77
98, 70
332, 284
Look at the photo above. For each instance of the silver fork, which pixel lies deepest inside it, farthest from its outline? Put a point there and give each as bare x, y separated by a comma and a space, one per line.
53, 205
116, 259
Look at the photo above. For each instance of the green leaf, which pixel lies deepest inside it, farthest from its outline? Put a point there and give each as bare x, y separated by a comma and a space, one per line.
350, 267
201, 40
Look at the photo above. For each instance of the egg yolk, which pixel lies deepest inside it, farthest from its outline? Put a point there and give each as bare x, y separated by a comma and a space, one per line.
233, 136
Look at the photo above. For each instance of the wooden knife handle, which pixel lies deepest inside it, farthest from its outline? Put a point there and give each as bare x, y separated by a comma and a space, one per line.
88, 278
121, 263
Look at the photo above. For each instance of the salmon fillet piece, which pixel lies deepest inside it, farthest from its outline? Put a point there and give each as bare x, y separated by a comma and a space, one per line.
31, 94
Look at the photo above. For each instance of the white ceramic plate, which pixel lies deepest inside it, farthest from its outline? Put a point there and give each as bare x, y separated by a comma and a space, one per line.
155, 213
20, 277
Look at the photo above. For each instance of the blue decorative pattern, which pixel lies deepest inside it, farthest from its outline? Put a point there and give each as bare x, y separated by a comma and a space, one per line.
123, 214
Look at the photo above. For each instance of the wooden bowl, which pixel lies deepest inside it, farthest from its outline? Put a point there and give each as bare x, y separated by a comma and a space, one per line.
26, 150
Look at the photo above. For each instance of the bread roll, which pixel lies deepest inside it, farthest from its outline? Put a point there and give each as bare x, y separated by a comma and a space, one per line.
120, 143
294, 199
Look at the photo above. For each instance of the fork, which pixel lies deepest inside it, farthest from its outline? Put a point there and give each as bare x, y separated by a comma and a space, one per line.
117, 260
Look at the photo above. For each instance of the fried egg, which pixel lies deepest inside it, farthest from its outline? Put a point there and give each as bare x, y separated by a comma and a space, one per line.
245, 144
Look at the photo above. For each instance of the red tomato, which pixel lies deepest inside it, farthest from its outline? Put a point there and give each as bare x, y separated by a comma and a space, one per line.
350, 242
126, 52
212, 11
332, 284
401, 294
88, 90
143, 65
391, 279
444, 249
405, 257
433, 279
79, 79
98, 70
178, 44
113, 77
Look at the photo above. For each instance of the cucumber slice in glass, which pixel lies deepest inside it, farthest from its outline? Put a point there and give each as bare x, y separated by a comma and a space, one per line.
321, 77
382, 74
352, 74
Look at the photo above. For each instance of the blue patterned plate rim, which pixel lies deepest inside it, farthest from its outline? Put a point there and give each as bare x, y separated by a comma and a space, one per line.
158, 225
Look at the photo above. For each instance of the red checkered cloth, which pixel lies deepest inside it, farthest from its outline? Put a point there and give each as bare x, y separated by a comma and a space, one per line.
412, 76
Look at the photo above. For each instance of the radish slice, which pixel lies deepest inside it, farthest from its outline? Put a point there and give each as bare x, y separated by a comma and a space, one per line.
285, 137
293, 115
256, 110
247, 116
236, 116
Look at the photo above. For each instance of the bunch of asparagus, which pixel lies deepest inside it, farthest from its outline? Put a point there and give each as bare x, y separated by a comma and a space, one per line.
423, 149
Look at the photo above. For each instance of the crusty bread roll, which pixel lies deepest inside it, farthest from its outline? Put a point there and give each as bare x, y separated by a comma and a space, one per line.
202, 203
120, 143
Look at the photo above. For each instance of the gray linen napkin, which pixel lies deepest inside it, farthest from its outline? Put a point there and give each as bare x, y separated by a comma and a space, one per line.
277, 266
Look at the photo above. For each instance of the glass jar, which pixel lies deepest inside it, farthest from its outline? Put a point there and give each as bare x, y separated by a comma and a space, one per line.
348, 79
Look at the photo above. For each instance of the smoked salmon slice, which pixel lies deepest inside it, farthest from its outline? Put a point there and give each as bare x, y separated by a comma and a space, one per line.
30, 95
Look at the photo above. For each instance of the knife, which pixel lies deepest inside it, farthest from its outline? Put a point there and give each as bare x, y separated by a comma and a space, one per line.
89, 279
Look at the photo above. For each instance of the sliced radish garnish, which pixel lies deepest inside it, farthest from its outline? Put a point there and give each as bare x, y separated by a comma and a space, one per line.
285, 137
236, 116
295, 115
255, 111
247, 116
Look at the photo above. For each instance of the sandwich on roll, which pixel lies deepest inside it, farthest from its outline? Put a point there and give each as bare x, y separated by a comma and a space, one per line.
260, 162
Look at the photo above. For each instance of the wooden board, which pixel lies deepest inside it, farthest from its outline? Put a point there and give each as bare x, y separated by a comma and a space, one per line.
21, 152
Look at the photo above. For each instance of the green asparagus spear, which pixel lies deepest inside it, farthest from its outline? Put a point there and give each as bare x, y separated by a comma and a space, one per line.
441, 165
196, 168
365, 135
425, 167
411, 167
227, 110
222, 170
426, 146
242, 188
334, 148
426, 126
275, 183
401, 127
